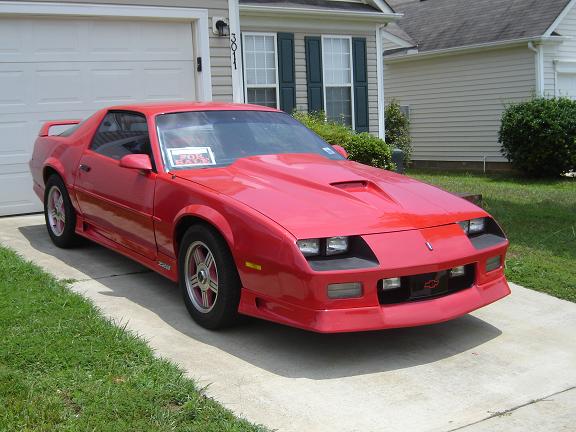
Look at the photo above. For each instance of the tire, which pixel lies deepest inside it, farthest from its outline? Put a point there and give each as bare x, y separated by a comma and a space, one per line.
208, 278
59, 214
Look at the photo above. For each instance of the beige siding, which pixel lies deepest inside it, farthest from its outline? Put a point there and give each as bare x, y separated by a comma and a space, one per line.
564, 51
300, 66
456, 101
219, 47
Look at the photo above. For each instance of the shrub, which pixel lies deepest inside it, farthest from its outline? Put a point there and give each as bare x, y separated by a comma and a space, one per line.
361, 147
398, 130
538, 137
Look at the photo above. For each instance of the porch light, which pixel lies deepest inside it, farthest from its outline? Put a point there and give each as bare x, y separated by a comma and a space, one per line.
220, 27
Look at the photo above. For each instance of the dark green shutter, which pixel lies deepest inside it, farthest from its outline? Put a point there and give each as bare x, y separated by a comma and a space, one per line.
360, 84
313, 45
286, 75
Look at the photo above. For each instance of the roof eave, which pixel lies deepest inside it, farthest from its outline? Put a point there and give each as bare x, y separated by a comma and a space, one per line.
372, 17
462, 49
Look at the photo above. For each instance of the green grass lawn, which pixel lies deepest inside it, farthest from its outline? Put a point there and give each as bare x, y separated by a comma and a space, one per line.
64, 367
539, 218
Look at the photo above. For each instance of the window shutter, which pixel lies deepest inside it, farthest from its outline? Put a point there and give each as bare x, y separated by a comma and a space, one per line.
313, 45
360, 84
286, 76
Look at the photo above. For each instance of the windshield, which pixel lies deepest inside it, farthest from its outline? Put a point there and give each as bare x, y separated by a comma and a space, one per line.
201, 139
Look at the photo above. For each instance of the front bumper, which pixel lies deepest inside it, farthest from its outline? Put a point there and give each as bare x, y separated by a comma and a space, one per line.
299, 297
355, 319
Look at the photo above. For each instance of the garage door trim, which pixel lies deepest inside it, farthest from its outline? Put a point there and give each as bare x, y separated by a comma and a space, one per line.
199, 18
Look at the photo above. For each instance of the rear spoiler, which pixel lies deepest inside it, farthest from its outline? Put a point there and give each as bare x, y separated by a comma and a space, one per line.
45, 129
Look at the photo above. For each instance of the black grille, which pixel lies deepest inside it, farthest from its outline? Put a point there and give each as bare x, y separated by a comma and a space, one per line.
427, 286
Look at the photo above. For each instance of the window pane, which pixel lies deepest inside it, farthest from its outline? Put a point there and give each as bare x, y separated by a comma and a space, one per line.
339, 104
337, 65
260, 54
120, 134
262, 96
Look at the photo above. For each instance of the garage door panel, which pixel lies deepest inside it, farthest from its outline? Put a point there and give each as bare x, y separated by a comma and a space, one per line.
16, 193
567, 85
58, 86
13, 83
14, 134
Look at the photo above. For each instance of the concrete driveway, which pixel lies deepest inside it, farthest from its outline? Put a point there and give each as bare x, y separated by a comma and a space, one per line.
508, 367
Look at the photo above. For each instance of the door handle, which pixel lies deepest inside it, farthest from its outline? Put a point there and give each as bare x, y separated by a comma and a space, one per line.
85, 168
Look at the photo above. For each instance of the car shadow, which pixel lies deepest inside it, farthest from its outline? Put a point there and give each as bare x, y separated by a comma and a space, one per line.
278, 349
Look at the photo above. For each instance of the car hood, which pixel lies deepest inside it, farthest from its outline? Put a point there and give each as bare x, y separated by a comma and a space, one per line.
312, 196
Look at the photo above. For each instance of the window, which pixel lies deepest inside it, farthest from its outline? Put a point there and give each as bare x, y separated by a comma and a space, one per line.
337, 70
120, 134
197, 139
261, 73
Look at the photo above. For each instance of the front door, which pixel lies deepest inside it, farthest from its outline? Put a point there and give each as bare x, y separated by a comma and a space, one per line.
118, 202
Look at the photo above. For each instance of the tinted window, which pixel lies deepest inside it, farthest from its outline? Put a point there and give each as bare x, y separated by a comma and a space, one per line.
201, 139
120, 134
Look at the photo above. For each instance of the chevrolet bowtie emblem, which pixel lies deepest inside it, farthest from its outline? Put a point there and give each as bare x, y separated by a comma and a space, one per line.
429, 246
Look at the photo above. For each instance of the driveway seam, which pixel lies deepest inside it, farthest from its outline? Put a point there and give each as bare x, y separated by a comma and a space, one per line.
510, 410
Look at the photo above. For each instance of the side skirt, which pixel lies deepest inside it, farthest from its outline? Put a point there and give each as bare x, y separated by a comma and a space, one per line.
164, 265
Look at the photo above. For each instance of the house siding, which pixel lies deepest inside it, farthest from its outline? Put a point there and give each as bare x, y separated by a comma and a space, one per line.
563, 51
219, 46
456, 101
300, 66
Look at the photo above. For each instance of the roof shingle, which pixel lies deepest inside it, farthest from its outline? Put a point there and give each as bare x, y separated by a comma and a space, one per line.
441, 24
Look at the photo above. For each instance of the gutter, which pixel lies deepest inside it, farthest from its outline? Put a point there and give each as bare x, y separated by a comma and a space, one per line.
376, 17
488, 45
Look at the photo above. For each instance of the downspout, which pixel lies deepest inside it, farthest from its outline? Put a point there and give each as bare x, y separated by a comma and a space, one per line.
539, 62
380, 79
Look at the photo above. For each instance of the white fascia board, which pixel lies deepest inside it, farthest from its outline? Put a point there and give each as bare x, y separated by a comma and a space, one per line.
471, 48
379, 4
100, 10
560, 18
402, 43
298, 12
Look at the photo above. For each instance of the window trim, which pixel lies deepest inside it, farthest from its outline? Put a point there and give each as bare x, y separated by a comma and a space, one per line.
246, 85
351, 85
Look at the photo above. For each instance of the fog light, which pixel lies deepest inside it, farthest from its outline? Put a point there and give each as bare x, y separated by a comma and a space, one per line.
493, 263
457, 271
391, 283
345, 290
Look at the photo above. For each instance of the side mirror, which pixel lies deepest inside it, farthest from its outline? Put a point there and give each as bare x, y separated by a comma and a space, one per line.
340, 150
136, 161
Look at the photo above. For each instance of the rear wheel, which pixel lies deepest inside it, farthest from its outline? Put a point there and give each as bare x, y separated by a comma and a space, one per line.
59, 213
208, 278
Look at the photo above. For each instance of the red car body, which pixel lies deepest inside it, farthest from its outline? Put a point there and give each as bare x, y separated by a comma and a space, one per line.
261, 206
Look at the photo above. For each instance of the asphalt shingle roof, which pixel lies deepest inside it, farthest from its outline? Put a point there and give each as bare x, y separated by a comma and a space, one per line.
441, 24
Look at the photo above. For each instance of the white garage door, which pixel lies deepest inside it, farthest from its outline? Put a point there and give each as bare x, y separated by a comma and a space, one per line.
567, 85
54, 69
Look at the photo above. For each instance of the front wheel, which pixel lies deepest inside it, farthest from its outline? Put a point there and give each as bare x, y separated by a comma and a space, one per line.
59, 214
208, 278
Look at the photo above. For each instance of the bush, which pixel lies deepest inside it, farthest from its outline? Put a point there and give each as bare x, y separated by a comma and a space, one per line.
361, 147
398, 130
538, 137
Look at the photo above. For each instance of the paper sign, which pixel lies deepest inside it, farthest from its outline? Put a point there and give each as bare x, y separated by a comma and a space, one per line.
191, 156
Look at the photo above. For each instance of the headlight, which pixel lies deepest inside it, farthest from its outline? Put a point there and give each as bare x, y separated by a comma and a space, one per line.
336, 245
473, 226
309, 247
327, 247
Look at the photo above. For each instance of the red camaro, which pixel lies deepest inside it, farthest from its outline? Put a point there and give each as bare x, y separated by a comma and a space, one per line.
252, 213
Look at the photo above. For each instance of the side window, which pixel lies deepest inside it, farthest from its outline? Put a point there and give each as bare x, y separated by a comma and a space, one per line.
120, 134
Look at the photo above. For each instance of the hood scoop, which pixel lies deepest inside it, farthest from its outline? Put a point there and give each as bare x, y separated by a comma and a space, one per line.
352, 186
